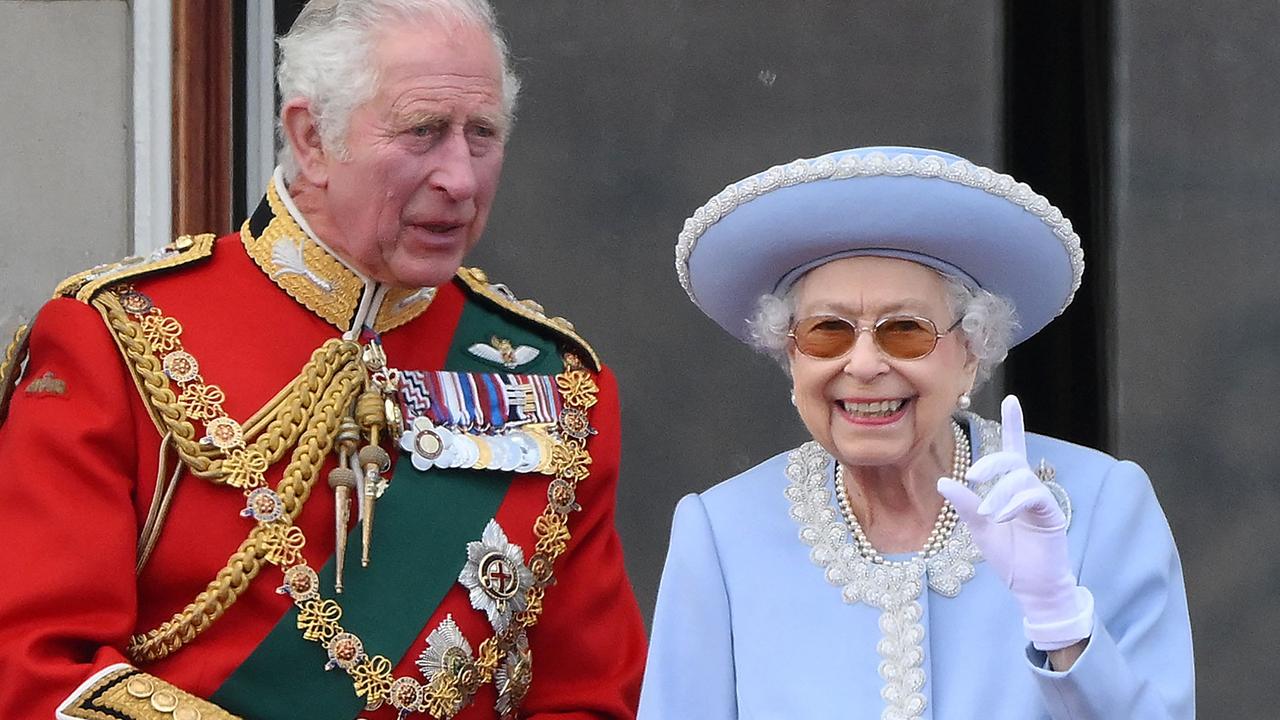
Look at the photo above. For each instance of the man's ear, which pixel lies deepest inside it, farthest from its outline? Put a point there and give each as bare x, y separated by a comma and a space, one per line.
302, 134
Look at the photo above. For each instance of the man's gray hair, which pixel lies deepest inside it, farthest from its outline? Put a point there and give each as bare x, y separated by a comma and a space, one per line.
326, 58
987, 321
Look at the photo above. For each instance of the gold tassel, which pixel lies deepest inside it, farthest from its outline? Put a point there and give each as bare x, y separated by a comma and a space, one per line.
371, 414
342, 479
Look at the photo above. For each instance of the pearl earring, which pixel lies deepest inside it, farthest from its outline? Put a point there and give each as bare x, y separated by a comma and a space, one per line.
964, 402
793, 398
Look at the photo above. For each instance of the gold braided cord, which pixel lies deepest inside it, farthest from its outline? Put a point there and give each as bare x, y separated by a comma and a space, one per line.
303, 417
245, 564
153, 384
11, 367
452, 688
14, 354
276, 426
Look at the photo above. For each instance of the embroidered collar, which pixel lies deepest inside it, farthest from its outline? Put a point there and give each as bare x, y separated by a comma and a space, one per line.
279, 240
893, 588
883, 586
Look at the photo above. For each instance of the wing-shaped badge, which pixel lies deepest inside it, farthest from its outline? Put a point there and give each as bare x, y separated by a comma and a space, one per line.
501, 352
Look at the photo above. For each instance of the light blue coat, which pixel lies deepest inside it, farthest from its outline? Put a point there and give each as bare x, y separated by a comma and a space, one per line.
747, 626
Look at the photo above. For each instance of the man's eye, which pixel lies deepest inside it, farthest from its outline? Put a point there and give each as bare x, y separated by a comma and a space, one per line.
483, 131
421, 131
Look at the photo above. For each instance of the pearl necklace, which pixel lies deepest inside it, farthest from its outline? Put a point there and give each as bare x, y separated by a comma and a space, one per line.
942, 527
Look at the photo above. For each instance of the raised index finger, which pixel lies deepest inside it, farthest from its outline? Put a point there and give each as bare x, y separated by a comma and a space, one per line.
1012, 436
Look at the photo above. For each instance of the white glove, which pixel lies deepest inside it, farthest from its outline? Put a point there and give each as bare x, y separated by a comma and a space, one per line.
1023, 534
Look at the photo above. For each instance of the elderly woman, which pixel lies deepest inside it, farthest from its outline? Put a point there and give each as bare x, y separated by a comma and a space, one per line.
913, 560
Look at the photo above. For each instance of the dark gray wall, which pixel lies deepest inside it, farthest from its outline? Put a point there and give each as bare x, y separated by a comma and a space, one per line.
633, 114
1197, 207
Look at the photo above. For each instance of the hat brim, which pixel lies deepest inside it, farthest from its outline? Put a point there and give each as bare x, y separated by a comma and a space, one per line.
1010, 242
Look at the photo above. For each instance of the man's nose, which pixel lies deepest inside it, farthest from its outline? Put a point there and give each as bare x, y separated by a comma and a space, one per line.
454, 174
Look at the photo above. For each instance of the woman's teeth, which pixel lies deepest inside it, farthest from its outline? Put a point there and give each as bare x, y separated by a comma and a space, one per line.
880, 408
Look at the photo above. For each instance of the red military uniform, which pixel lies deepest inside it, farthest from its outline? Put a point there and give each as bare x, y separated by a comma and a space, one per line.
127, 375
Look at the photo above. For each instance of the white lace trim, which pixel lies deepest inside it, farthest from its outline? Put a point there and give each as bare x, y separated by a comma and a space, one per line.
872, 164
894, 588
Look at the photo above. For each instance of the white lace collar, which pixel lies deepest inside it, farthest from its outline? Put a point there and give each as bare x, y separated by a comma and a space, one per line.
893, 588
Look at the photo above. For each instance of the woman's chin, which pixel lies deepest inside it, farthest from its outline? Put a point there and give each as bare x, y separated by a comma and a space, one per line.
872, 441
868, 455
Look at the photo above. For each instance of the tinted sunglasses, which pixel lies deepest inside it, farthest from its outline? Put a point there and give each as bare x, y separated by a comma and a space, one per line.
905, 337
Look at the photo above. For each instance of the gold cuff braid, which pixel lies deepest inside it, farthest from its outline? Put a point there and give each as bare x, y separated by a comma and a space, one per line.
129, 694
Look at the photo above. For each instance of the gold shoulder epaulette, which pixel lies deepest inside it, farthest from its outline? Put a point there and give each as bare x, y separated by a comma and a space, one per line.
185, 249
477, 281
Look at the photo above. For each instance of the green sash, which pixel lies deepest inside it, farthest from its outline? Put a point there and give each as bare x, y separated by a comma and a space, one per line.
421, 530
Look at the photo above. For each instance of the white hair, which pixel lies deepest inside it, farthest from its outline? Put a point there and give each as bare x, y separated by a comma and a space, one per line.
326, 58
986, 319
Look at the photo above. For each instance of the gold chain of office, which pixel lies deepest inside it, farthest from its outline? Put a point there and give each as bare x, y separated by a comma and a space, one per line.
305, 416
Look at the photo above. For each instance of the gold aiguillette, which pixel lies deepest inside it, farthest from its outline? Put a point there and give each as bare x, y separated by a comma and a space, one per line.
343, 481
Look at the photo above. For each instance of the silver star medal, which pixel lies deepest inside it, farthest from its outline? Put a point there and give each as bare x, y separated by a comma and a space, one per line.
502, 352
513, 677
447, 651
496, 576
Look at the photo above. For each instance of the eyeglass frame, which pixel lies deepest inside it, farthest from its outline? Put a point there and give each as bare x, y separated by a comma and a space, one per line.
858, 329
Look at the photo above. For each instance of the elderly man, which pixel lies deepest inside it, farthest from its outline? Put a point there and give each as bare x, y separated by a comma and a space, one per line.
315, 469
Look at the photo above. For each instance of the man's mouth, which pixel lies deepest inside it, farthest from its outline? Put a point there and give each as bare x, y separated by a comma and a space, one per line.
440, 228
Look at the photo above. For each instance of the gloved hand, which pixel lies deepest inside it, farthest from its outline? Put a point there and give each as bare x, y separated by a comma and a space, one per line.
1023, 534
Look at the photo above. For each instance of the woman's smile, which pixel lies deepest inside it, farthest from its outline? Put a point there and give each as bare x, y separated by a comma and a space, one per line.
861, 411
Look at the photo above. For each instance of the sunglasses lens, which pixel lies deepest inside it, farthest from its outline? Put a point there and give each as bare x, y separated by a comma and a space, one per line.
905, 338
824, 337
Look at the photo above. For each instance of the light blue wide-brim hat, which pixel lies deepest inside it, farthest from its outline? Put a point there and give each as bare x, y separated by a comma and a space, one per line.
761, 234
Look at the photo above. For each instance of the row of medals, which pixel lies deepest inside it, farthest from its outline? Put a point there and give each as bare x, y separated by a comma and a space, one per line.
436, 446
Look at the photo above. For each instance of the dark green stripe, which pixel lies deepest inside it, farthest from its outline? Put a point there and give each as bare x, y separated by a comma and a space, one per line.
421, 529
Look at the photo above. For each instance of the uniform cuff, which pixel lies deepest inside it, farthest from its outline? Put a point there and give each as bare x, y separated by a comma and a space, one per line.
121, 691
